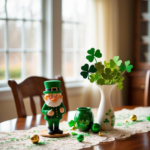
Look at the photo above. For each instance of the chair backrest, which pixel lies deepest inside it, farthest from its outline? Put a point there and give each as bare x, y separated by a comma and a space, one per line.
147, 89
32, 86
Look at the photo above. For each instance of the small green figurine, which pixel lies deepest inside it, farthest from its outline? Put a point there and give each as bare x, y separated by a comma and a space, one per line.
53, 109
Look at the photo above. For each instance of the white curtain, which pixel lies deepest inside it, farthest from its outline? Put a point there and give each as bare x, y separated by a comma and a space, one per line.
102, 33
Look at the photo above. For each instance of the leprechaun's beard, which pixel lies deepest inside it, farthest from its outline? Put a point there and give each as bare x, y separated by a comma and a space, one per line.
53, 104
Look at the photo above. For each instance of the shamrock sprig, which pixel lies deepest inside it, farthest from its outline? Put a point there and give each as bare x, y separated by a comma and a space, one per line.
126, 67
105, 74
92, 54
87, 70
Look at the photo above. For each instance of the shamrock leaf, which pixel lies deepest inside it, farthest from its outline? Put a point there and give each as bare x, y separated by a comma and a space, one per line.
109, 110
107, 64
114, 73
122, 68
84, 73
112, 63
119, 85
98, 54
100, 67
73, 133
112, 116
121, 79
128, 67
86, 70
92, 69
93, 54
100, 81
127, 63
117, 61
106, 121
71, 123
107, 75
85, 67
97, 76
92, 78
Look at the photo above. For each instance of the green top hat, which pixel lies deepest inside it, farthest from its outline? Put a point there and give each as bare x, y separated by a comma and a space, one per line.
52, 86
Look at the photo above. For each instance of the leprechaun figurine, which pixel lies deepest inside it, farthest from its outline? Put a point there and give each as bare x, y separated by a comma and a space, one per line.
53, 109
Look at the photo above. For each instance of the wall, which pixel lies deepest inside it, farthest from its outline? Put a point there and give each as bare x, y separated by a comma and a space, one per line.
126, 37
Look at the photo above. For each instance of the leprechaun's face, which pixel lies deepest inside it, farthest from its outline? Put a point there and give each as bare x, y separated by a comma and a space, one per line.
53, 100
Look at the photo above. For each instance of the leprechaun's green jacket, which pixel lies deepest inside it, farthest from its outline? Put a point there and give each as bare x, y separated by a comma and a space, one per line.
57, 113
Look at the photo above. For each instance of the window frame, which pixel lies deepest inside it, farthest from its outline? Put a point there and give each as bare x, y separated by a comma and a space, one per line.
52, 46
22, 50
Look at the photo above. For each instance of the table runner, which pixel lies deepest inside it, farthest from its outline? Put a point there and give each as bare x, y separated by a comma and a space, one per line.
20, 139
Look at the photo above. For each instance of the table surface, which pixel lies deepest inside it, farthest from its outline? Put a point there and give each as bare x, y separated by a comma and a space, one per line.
135, 142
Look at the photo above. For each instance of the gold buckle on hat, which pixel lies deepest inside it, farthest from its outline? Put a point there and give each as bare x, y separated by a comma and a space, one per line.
54, 89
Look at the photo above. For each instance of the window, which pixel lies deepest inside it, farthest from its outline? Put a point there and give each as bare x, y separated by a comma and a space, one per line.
20, 39
73, 38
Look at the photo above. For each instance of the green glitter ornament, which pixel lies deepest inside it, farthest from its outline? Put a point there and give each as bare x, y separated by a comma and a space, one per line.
80, 137
71, 123
95, 128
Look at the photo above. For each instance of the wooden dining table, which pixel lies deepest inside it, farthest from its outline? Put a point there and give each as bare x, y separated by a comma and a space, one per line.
134, 142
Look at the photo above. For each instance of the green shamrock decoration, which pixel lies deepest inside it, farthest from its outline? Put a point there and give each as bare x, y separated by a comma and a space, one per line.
106, 73
128, 67
120, 86
106, 121
122, 68
93, 54
100, 67
112, 63
114, 72
107, 64
86, 70
101, 81
74, 133
93, 77
112, 116
117, 61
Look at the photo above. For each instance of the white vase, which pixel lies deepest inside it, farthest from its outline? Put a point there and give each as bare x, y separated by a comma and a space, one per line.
105, 114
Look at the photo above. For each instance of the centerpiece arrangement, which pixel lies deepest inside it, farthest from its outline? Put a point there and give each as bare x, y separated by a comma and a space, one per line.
106, 75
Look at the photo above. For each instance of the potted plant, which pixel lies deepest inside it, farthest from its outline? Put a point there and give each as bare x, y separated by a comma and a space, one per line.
106, 75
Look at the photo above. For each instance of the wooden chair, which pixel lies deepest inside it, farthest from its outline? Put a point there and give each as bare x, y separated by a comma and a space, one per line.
33, 86
147, 89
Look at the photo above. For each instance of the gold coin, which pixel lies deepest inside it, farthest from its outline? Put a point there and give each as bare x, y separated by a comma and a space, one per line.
73, 128
133, 118
34, 138
100, 133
